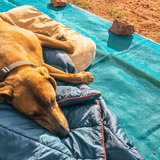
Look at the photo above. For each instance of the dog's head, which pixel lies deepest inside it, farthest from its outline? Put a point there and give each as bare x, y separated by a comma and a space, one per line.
32, 92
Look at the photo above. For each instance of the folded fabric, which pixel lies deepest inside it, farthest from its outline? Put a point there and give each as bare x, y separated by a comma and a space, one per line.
69, 95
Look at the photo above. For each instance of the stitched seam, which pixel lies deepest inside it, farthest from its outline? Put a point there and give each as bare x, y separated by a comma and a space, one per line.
79, 97
105, 155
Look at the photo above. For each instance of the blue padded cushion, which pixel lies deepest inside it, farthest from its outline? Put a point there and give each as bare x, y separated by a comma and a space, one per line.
70, 95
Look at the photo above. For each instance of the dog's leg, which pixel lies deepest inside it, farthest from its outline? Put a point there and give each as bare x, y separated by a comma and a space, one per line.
82, 77
66, 46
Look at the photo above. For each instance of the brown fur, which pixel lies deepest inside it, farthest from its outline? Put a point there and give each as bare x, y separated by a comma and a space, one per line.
29, 89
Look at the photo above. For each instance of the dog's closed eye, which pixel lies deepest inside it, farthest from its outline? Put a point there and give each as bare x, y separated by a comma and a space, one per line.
35, 115
52, 102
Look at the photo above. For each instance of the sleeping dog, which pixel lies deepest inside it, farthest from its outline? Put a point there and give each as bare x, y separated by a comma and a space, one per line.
27, 82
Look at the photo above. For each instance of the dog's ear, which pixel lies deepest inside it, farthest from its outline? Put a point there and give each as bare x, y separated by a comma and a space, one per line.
44, 71
6, 92
53, 82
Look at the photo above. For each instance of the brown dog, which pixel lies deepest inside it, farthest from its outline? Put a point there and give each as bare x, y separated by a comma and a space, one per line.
29, 86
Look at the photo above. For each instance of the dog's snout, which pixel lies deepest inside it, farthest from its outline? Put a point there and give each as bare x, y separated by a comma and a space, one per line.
63, 129
63, 133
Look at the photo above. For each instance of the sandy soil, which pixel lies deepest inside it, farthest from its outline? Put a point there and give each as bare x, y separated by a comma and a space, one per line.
144, 14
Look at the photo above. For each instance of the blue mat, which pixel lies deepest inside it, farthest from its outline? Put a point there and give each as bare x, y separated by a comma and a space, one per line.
126, 71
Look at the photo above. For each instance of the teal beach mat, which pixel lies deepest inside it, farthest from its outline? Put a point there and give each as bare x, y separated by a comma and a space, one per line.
126, 71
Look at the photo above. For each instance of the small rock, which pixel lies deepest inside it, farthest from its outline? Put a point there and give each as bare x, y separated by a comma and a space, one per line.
154, 153
59, 3
122, 27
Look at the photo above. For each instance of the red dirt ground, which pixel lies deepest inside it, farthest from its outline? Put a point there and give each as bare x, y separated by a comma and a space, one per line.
144, 14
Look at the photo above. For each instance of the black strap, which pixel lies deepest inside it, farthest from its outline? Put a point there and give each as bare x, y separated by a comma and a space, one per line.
6, 70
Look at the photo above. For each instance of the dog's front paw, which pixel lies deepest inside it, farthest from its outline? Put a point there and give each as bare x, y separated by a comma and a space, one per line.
87, 77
